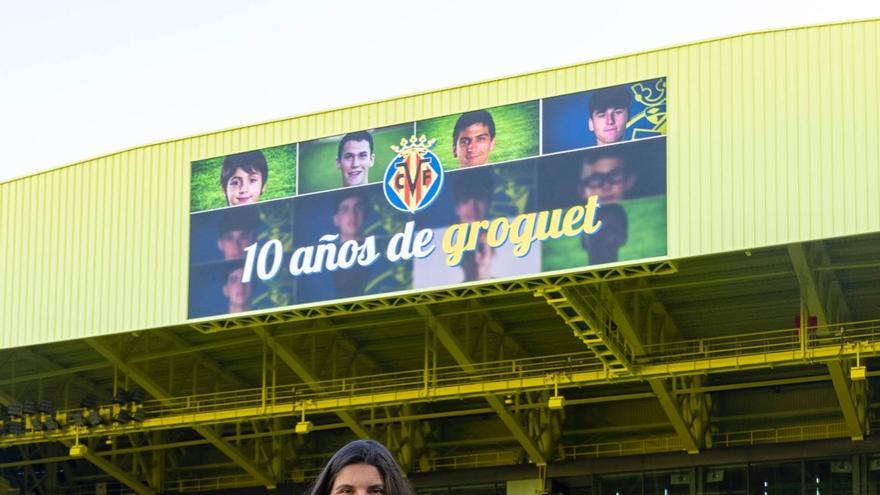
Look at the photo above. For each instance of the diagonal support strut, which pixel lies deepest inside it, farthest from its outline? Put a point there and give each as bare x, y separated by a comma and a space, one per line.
823, 297
158, 392
302, 371
446, 337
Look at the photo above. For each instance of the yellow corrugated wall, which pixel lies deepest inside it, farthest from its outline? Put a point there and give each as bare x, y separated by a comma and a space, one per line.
773, 138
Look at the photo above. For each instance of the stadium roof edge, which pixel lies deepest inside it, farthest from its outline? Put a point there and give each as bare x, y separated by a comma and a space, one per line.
440, 90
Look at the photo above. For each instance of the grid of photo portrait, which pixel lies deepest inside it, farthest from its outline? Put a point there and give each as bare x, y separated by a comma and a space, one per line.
499, 162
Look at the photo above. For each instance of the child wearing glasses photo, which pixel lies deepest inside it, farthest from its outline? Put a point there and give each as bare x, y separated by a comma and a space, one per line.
607, 176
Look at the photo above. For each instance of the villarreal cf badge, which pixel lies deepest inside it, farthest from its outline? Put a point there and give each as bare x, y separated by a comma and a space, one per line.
414, 177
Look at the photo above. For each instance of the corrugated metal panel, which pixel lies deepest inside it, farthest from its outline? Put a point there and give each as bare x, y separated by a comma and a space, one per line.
773, 138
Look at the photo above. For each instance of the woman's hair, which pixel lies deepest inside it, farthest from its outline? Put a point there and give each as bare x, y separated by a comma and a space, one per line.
363, 452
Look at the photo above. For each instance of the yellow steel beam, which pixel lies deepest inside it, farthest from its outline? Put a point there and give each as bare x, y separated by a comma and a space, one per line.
158, 392
622, 319
792, 356
582, 310
823, 296
853, 409
477, 385
422, 417
445, 336
108, 467
455, 294
610, 320
689, 425
302, 371
673, 411
824, 299
512, 423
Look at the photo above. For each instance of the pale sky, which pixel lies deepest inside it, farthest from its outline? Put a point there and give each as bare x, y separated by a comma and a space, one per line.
85, 78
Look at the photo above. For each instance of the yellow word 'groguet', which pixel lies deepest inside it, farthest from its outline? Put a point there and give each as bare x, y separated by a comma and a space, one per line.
523, 230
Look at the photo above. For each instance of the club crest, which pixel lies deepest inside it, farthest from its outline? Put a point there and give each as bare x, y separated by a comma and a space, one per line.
414, 177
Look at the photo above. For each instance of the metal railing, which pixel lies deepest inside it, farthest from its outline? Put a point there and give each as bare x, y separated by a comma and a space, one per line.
781, 435
475, 460
114, 488
644, 446
617, 449
213, 483
763, 342
800, 343
759, 343
377, 384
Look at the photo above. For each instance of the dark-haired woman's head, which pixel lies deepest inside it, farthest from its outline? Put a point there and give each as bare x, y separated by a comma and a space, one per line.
362, 467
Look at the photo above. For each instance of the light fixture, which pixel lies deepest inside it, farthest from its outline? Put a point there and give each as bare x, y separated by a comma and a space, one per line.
35, 423
139, 415
303, 427
858, 372
51, 423
122, 416
556, 402
93, 418
15, 428
15, 410
76, 419
78, 450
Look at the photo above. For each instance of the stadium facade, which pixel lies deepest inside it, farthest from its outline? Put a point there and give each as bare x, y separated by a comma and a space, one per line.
678, 294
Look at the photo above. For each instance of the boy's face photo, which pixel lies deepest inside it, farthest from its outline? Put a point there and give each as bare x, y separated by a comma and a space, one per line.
354, 162
233, 242
238, 293
477, 264
607, 178
471, 209
473, 145
244, 188
609, 125
349, 217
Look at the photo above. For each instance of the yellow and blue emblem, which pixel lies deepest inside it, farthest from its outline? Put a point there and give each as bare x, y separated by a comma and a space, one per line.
414, 177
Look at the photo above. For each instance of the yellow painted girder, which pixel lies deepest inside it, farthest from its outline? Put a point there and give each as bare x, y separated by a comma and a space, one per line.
826, 301
143, 379
110, 468
646, 269
478, 387
302, 371
672, 409
453, 346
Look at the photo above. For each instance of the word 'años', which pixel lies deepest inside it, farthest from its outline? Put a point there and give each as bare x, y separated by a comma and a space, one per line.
331, 255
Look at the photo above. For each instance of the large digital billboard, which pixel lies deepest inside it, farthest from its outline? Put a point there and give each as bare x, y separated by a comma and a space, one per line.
550, 185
